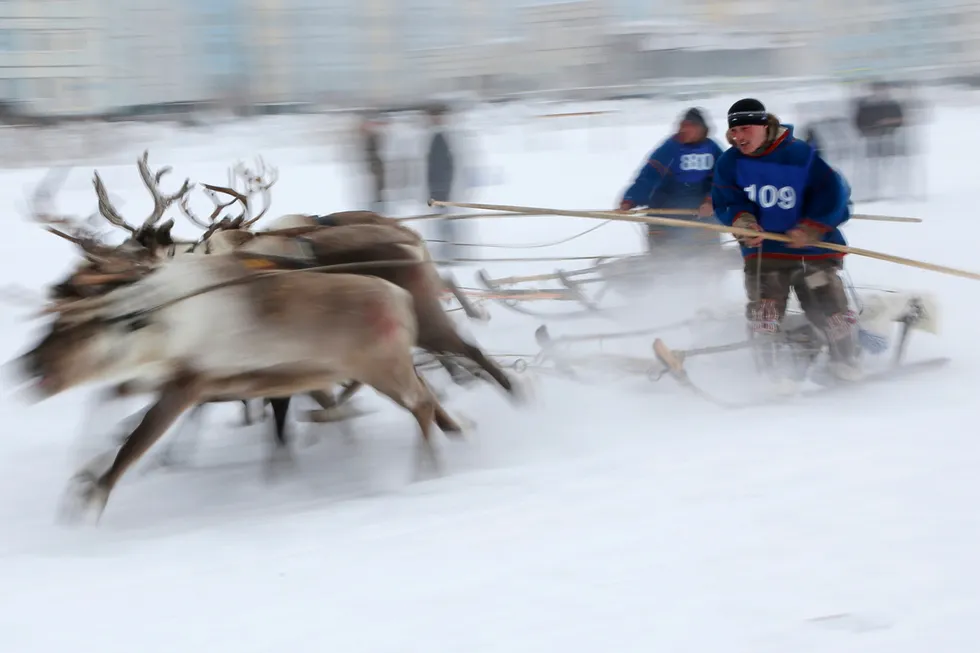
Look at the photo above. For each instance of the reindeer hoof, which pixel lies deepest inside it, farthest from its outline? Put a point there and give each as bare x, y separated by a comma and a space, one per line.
466, 425
457, 427
428, 465
85, 499
521, 391
279, 462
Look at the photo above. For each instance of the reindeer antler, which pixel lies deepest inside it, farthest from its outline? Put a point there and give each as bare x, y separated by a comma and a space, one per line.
45, 192
106, 207
161, 201
257, 182
211, 192
69, 227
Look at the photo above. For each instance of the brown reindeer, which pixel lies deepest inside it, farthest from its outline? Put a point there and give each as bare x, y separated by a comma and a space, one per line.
106, 267
350, 238
357, 237
347, 238
205, 328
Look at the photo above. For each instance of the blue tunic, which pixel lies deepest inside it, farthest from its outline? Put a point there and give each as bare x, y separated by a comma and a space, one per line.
784, 187
676, 176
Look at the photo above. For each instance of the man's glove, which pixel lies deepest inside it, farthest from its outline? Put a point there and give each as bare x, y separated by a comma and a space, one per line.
706, 210
804, 234
748, 221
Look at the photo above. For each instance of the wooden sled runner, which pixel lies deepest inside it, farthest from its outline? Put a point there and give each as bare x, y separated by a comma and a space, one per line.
918, 313
627, 276
879, 315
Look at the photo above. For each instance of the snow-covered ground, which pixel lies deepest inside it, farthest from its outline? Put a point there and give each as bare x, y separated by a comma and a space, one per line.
621, 516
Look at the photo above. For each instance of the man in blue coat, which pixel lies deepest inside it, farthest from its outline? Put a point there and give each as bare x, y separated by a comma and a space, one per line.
678, 175
771, 181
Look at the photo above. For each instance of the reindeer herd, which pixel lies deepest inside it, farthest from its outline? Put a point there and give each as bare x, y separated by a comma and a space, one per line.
311, 303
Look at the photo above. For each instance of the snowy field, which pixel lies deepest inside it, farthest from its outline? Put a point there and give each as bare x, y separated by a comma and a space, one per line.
619, 516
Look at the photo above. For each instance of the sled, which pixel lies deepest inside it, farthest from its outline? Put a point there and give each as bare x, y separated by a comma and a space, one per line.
909, 311
628, 276
562, 355
880, 312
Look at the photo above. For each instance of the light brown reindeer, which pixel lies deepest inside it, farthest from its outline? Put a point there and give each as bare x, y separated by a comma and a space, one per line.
106, 267
349, 238
358, 237
209, 327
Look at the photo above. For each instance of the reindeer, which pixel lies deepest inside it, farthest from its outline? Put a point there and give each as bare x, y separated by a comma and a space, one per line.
206, 328
107, 267
381, 245
365, 242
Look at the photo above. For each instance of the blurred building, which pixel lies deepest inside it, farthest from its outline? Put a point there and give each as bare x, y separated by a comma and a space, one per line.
565, 43
900, 38
145, 53
65, 57
213, 47
51, 55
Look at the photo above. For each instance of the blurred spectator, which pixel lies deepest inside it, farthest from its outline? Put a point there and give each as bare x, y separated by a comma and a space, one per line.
371, 133
678, 175
440, 173
813, 138
401, 154
913, 171
879, 120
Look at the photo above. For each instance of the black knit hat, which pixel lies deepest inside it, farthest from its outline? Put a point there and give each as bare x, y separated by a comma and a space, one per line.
747, 112
695, 116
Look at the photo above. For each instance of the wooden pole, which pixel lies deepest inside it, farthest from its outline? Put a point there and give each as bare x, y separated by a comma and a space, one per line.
670, 222
651, 212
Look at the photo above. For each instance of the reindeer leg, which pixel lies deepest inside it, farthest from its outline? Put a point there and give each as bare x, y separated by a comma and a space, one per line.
451, 342
457, 372
128, 424
404, 387
446, 424
424, 412
349, 391
246, 413
280, 454
343, 423
280, 407
330, 408
169, 457
175, 397
325, 399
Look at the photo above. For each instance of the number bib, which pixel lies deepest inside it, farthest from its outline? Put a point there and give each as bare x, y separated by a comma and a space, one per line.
776, 189
695, 164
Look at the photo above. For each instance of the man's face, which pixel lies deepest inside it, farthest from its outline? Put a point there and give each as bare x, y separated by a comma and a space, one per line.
748, 138
690, 132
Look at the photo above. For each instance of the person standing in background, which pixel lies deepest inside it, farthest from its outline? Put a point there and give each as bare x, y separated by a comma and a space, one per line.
371, 135
440, 174
879, 120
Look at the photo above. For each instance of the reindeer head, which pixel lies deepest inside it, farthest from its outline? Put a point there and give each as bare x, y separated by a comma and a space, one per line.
65, 357
102, 265
88, 340
149, 235
92, 278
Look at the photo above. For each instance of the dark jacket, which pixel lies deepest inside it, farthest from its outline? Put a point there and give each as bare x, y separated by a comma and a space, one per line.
873, 111
440, 167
